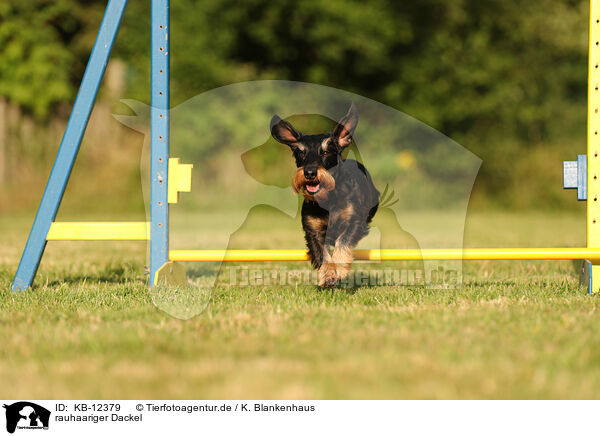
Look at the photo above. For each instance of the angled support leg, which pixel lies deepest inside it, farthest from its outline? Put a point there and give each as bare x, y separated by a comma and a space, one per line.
34, 249
159, 143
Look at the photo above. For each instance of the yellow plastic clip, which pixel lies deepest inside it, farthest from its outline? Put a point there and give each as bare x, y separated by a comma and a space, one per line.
180, 179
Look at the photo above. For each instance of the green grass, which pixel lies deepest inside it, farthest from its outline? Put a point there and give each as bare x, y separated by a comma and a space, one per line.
514, 330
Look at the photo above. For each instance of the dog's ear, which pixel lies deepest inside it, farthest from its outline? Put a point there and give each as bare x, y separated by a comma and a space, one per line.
345, 128
283, 132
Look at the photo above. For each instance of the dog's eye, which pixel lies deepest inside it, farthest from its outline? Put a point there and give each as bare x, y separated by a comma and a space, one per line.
324, 152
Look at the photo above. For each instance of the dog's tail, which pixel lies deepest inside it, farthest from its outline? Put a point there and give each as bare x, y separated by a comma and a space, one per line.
386, 199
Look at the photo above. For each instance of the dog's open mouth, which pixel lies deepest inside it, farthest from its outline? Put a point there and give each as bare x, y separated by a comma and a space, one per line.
313, 187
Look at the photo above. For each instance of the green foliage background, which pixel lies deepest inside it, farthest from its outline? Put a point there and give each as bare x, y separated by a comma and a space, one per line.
506, 79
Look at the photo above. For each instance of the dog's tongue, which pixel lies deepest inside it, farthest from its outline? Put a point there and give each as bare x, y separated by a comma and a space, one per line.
312, 188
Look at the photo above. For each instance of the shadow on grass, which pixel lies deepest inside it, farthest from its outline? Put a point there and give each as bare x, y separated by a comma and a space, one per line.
109, 275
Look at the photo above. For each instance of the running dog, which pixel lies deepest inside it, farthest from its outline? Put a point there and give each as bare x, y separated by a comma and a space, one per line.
340, 198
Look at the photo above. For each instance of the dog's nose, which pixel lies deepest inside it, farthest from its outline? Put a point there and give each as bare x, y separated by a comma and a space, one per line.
310, 173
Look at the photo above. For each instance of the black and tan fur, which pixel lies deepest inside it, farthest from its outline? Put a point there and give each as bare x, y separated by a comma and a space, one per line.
340, 198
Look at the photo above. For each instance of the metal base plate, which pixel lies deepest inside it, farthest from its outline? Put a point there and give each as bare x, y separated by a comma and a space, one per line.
585, 275
171, 274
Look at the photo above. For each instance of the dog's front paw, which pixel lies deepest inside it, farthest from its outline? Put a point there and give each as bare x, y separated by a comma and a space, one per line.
342, 261
327, 275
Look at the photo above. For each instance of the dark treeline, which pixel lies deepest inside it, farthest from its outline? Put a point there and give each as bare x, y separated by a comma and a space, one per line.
505, 78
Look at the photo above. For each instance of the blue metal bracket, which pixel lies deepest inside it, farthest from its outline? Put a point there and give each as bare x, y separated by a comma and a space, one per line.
575, 176
69, 146
585, 275
159, 143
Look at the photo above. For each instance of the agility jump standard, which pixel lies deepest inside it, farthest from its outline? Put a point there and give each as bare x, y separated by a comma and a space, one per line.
169, 177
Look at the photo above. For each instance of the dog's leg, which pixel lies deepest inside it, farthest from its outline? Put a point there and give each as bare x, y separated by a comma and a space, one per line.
327, 272
320, 258
314, 233
343, 257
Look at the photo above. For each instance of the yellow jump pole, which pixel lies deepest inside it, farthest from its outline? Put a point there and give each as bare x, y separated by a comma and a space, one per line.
391, 254
593, 143
99, 231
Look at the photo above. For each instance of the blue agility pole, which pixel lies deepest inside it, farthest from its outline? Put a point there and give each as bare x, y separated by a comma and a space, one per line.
55, 188
159, 143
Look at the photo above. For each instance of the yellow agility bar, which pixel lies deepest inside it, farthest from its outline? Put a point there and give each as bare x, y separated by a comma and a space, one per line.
391, 254
139, 231
99, 231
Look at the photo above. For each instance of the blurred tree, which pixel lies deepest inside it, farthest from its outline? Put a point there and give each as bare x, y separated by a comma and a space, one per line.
44, 45
500, 77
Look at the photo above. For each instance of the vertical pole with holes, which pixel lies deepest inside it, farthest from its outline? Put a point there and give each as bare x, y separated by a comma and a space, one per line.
159, 155
593, 142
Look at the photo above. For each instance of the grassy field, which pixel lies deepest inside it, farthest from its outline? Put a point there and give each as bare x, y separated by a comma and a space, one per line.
513, 330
